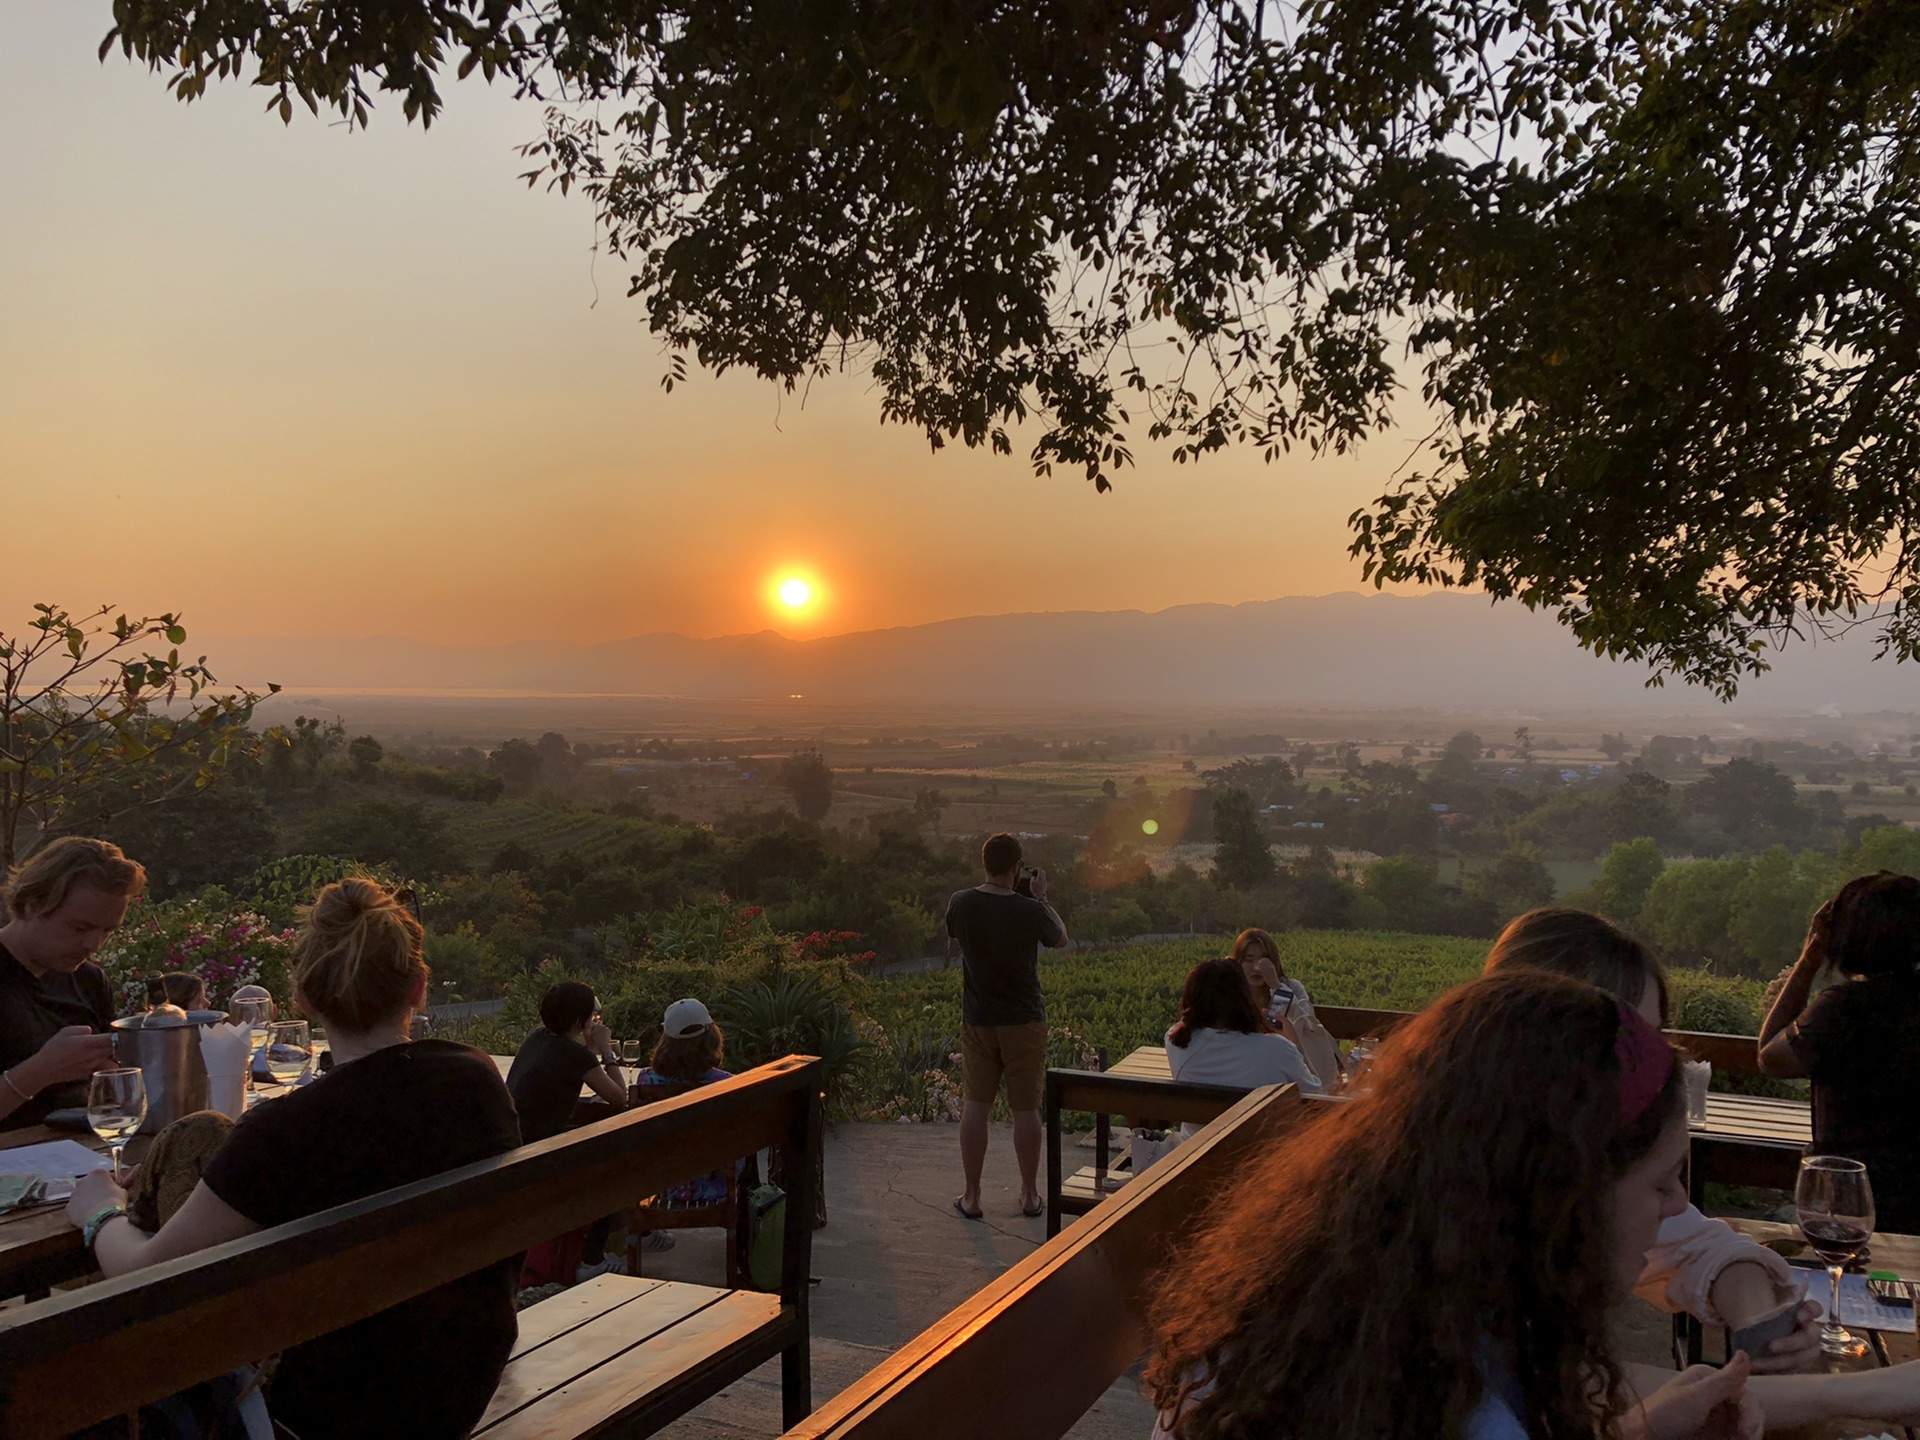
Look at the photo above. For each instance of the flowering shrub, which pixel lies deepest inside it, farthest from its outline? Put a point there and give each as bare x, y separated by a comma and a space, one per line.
836, 944
225, 946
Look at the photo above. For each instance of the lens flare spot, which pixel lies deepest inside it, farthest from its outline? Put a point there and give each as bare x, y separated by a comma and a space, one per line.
1151, 827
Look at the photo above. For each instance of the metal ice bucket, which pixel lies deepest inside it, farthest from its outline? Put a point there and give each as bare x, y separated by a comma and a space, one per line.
164, 1045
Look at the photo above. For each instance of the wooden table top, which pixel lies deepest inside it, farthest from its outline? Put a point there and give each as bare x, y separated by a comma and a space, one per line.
38, 1242
1756, 1118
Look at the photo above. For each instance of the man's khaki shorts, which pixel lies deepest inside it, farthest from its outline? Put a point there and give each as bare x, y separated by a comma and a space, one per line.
1017, 1053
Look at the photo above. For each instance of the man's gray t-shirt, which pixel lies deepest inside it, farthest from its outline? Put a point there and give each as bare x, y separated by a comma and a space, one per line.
1000, 938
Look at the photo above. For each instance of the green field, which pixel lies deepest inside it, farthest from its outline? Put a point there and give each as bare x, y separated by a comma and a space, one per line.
545, 829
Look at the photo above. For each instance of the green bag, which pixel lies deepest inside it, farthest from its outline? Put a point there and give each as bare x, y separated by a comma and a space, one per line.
766, 1236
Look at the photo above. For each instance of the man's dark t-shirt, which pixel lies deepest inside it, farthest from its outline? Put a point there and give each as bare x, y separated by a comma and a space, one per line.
426, 1367
545, 1082
1000, 938
1860, 1043
33, 1010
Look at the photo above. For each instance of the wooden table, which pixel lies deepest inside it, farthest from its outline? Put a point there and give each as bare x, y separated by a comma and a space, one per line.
1745, 1139
39, 1246
1886, 1251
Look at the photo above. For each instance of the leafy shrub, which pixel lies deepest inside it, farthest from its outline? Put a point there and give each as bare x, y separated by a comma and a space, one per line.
1713, 1011
793, 1015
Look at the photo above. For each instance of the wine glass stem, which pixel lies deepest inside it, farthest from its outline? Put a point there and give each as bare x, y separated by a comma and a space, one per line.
113, 1153
1833, 1316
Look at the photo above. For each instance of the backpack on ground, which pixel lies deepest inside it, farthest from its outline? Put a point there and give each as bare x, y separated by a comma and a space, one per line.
766, 1236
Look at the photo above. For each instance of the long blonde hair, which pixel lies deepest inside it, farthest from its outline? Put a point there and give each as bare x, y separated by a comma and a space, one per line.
359, 955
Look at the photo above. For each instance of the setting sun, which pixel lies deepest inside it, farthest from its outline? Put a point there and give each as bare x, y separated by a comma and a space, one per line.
797, 598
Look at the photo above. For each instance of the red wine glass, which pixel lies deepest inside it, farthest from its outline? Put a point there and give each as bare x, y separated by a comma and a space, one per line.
1835, 1205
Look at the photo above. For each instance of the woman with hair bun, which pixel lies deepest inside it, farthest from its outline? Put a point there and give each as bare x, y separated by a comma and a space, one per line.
390, 1112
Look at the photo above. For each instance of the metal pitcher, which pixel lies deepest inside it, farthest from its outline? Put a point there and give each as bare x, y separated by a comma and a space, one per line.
165, 1046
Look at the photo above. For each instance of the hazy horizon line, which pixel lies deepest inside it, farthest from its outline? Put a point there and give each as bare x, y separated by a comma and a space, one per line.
1434, 593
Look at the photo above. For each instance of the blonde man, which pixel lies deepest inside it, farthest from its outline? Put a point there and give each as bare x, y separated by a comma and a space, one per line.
55, 1003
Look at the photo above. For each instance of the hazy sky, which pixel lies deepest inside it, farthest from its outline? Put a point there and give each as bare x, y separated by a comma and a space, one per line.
296, 380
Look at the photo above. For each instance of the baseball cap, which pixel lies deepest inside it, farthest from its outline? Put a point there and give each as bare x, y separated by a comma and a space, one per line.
684, 1018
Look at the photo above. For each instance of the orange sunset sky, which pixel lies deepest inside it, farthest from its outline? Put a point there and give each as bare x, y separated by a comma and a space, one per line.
302, 381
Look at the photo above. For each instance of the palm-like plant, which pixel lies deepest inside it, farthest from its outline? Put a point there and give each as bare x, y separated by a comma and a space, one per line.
793, 1014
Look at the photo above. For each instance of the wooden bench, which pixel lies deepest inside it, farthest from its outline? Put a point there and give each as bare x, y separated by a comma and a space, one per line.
1105, 1095
618, 1355
1027, 1356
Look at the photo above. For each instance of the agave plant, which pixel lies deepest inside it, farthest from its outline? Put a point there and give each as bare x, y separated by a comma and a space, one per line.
794, 1015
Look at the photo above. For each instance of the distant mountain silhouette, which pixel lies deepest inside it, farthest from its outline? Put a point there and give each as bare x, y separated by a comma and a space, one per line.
1439, 650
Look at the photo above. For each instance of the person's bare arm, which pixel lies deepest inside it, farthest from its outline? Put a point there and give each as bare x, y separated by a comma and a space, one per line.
203, 1222
606, 1087
1890, 1393
1040, 894
1777, 1056
71, 1054
1746, 1290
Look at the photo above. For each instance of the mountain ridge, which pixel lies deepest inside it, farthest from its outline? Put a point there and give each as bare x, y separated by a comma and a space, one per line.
1440, 648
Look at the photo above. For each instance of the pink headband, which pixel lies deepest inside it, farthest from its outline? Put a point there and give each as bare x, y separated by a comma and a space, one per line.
1646, 1060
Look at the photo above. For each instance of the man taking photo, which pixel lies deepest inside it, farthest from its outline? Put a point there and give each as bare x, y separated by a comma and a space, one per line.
1000, 927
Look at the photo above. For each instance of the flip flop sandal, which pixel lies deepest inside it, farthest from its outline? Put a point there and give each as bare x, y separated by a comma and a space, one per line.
966, 1214
1036, 1212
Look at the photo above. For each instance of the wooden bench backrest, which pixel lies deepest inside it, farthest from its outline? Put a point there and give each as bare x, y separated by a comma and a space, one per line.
1171, 1101
1730, 1054
90, 1354
1044, 1341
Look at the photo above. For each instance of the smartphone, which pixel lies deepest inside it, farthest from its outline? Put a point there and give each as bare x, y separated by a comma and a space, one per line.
1774, 1325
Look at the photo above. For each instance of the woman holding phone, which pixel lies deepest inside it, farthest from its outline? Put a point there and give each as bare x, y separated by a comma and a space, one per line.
1285, 1003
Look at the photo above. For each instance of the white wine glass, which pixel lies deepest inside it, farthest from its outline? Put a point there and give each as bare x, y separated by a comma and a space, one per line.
289, 1051
255, 1015
1834, 1203
116, 1109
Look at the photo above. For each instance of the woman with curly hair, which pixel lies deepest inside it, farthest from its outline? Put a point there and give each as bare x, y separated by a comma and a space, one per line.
1437, 1258
1698, 1265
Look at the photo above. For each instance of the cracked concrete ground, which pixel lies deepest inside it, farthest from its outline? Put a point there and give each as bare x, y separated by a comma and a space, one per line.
893, 1258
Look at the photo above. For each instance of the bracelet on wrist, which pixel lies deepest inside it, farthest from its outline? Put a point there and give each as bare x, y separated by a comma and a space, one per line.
90, 1232
7, 1076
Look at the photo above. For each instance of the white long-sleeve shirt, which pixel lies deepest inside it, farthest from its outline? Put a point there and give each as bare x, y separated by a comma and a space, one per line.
1688, 1257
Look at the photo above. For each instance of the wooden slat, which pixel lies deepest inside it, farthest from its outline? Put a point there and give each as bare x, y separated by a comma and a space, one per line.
1758, 1117
339, 1266
574, 1307
644, 1372
1109, 1092
1348, 1022
1731, 1054
563, 1358
1051, 1334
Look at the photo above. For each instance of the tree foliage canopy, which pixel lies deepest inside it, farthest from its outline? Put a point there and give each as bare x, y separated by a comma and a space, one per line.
1643, 271
94, 722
